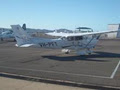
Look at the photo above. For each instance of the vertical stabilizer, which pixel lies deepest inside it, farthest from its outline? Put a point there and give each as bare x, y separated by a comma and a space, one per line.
24, 26
20, 35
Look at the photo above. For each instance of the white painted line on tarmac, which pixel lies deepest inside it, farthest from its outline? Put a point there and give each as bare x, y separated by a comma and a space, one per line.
55, 72
115, 70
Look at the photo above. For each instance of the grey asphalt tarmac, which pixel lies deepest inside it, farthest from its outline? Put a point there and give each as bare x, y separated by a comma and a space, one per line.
99, 69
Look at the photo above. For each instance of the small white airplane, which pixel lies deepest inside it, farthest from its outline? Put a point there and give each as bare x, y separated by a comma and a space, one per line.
82, 43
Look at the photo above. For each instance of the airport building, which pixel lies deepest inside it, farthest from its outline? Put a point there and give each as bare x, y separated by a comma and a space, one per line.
112, 27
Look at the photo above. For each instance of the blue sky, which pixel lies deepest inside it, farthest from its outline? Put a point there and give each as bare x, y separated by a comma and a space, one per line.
55, 14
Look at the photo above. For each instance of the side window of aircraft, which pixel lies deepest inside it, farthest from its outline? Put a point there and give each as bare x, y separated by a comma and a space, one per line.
78, 37
63, 38
75, 38
8, 33
70, 38
93, 36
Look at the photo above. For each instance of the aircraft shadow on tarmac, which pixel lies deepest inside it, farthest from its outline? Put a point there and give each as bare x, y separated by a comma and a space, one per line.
97, 56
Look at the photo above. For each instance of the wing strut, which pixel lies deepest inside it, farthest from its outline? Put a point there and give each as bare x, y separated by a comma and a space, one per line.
91, 40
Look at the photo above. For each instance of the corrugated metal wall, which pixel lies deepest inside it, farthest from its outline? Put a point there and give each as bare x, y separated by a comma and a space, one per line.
113, 27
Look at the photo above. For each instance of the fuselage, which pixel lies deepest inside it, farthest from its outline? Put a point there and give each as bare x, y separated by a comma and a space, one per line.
76, 42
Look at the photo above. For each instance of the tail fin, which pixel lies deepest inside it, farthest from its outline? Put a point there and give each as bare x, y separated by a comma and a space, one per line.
24, 26
20, 35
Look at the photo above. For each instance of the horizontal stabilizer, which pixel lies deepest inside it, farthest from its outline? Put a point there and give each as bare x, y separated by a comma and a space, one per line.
28, 45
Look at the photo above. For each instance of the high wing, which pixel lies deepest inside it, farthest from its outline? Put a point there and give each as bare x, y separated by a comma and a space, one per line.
79, 34
58, 34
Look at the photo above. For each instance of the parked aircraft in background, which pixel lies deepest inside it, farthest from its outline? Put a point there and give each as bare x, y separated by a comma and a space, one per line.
82, 43
6, 35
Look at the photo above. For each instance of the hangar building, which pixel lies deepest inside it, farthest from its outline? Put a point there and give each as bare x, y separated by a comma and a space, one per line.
115, 34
